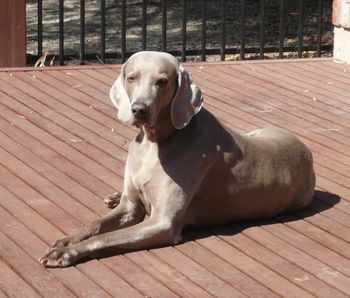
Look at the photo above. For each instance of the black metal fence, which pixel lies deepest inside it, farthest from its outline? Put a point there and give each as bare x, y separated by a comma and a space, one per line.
242, 28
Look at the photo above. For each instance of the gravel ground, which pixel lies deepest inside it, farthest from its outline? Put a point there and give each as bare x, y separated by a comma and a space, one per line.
134, 12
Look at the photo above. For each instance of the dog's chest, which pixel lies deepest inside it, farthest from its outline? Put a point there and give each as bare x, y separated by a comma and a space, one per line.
143, 166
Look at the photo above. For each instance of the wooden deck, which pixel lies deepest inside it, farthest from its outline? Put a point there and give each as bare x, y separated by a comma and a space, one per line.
61, 151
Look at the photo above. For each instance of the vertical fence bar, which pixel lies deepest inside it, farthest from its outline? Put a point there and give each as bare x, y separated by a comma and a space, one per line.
319, 28
103, 30
40, 28
242, 31
262, 29
144, 25
164, 24
184, 30
281, 31
204, 29
61, 32
123, 28
82, 31
300, 29
223, 30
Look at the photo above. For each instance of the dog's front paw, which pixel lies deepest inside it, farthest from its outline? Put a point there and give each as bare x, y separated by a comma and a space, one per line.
113, 200
59, 257
64, 241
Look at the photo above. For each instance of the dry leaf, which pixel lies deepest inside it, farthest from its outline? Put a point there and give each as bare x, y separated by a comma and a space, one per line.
41, 61
265, 111
75, 140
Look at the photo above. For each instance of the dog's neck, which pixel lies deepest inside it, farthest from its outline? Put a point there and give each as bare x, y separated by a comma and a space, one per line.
158, 133
162, 129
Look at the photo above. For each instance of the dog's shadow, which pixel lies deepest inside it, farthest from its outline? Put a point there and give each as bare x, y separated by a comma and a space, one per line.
322, 201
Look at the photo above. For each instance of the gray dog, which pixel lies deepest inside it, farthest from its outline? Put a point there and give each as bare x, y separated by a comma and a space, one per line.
184, 167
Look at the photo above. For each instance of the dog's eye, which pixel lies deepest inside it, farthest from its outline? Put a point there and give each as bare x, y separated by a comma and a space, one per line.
131, 79
162, 82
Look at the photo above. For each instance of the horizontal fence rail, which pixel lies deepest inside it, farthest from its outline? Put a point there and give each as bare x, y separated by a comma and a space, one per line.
222, 28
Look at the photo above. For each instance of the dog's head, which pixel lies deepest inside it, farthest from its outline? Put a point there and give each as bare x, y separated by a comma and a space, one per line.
153, 82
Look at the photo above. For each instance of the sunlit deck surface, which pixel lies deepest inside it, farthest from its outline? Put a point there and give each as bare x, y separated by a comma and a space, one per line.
62, 151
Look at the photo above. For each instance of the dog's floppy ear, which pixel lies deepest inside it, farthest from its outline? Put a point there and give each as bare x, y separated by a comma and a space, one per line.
187, 102
120, 98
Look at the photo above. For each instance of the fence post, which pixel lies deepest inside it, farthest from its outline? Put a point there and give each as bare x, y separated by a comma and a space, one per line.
341, 22
12, 33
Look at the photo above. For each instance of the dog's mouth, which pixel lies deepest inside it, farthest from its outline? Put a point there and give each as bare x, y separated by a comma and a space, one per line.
143, 122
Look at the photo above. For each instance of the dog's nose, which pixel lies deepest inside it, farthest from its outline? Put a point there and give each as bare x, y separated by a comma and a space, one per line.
139, 110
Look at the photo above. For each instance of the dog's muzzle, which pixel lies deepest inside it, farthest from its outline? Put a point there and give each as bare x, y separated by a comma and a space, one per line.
141, 113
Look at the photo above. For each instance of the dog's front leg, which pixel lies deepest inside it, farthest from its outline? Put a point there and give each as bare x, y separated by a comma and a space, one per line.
149, 233
127, 213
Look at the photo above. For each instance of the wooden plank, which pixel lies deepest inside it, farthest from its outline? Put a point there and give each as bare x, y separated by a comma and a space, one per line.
314, 241
67, 67
325, 76
283, 101
336, 213
195, 272
29, 269
174, 279
45, 188
110, 282
342, 69
321, 100
255, 268
278, 84
227, 272
84, 105
319, 269
277, 264
13, 285
12, 33
36, 200
320, 83
99, 109
324, 231
28, 216
138, 275
12, 142
79, 163
54, 114
70, 277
